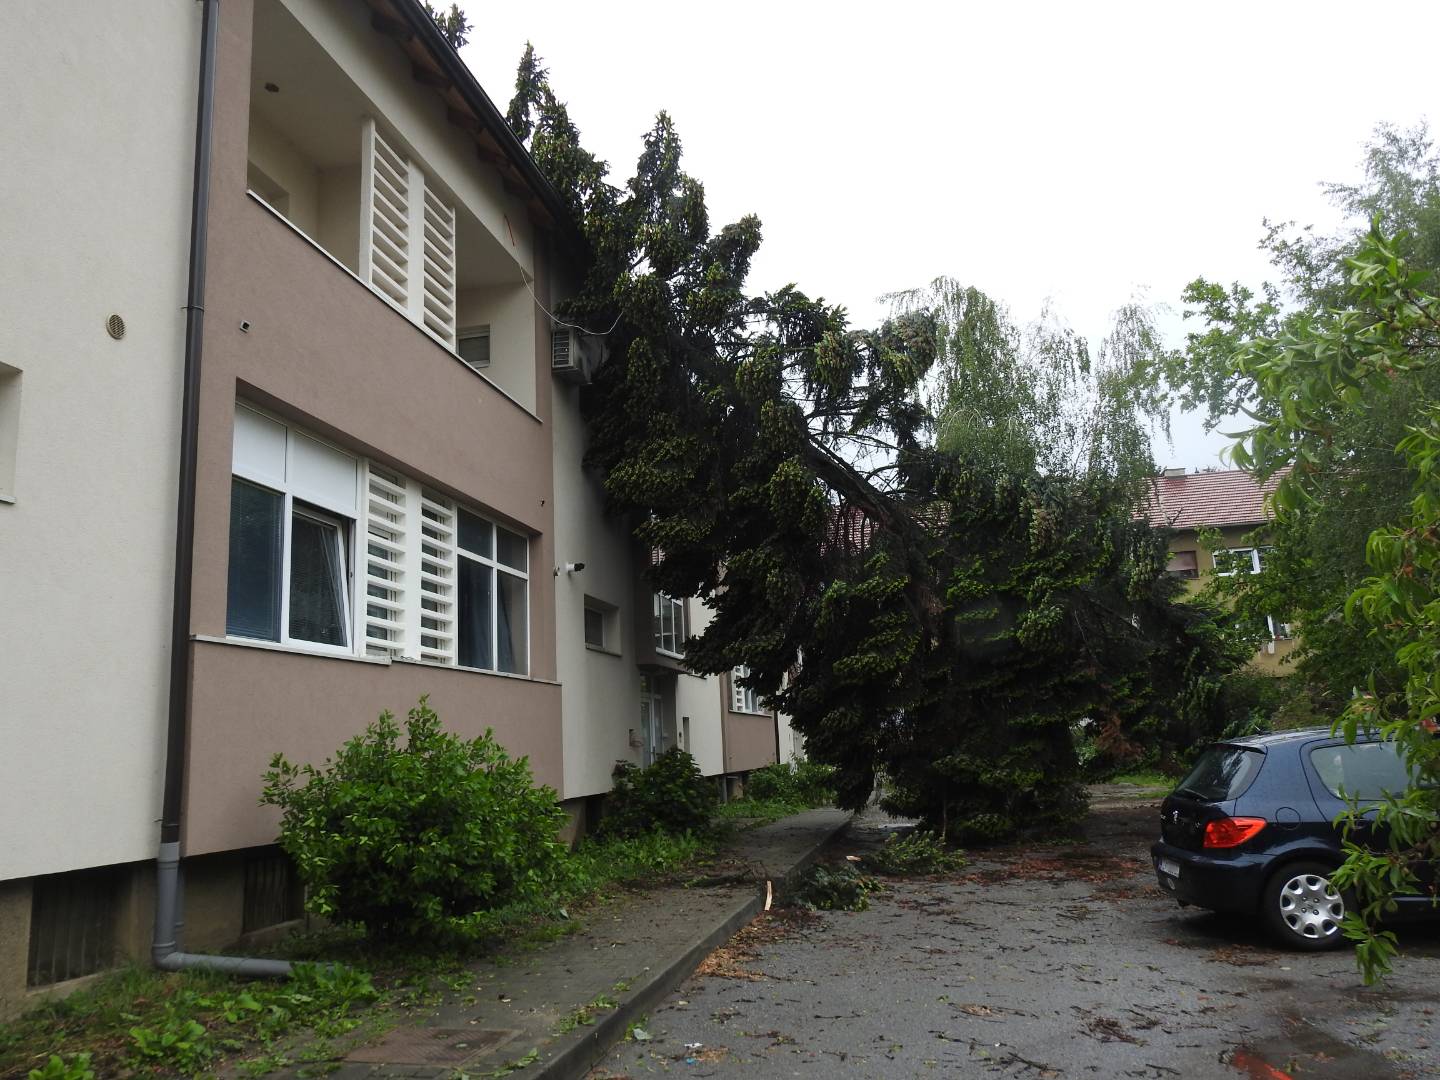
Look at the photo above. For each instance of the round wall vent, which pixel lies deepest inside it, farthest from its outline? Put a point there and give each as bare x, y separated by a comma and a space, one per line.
115, 327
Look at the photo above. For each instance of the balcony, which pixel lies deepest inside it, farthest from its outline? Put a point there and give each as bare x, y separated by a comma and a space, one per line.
323, 157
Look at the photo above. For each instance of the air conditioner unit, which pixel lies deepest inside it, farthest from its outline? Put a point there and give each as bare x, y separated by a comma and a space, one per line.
574, 356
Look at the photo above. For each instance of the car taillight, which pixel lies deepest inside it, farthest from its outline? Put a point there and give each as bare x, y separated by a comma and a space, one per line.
1231, 831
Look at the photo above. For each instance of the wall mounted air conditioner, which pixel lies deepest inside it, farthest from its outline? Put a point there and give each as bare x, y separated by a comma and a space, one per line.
574, 356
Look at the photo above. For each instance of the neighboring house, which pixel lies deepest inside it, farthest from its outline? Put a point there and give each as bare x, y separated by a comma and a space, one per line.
388, 492
1233, 504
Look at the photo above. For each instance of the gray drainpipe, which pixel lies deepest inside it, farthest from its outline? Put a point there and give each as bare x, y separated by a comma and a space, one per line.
165, 951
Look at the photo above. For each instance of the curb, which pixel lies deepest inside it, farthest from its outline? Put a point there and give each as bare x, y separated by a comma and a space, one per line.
575, 1056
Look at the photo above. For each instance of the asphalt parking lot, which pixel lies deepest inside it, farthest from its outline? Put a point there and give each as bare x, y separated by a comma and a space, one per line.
1044, 961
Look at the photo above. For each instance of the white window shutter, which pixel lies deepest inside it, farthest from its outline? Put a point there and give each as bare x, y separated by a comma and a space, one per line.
408, 249
437, 298
386, 200
438, 614
386, 541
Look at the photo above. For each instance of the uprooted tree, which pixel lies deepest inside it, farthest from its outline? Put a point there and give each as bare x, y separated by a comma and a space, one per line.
918, 610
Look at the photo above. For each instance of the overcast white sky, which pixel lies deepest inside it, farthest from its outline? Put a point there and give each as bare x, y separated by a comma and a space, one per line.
1084, 153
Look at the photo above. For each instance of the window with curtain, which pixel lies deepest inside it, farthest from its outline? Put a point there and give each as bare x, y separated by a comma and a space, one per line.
494, 596
292, 515
1183, 564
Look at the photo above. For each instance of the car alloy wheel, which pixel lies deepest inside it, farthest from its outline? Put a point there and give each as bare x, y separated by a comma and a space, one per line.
1309, 906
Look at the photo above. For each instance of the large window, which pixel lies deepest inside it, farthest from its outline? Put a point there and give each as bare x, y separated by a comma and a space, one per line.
333, 553
292, 516
493, 585
742, 698
669, 625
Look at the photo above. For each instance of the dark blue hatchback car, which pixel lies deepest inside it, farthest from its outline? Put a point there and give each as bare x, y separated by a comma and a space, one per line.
1252, 829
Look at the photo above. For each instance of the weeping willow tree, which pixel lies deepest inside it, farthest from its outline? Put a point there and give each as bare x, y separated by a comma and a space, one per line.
1034, 399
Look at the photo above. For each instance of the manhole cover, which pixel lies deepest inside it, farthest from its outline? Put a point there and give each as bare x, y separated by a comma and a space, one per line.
433, 1046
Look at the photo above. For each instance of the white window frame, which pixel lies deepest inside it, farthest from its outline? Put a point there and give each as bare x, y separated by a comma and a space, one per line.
346, 526
1256, 562
496, 568
406, 559
676, 608
743, 699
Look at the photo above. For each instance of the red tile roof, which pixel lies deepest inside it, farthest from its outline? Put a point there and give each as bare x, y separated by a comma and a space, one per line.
1213, 499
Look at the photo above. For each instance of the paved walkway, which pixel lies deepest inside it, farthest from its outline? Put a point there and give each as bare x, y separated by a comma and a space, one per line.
525, 1016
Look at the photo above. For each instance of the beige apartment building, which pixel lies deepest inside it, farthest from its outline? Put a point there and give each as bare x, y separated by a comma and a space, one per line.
377, 467
1231, 503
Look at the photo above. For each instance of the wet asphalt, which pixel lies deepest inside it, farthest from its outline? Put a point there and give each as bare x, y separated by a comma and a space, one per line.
1044, 962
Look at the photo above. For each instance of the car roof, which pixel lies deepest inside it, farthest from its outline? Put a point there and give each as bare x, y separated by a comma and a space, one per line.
1276, 738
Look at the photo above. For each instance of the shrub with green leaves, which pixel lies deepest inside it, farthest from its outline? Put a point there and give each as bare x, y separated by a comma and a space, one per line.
913, 854
421, 839
671, 796
800, 784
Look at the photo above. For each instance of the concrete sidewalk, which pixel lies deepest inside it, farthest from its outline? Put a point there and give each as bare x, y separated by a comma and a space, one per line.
526, 1014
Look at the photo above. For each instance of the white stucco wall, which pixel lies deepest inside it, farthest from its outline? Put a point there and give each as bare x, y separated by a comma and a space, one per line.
99, 144
600, 691
699, 699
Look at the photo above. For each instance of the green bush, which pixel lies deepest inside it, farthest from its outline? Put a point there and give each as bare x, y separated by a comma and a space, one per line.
420, 841
915, 853
671, 796
800, 784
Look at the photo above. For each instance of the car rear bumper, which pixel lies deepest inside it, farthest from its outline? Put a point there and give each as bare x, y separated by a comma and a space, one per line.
1229, 882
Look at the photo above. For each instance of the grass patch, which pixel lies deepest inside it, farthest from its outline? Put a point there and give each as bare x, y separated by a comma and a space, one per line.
1147, 778
141, 1022
756, 811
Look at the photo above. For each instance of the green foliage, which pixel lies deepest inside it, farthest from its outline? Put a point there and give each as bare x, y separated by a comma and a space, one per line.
1354, 476
452, 24
838, 887
670, 795
139, 1022
915, 853
420, 841
1035, 399
1317, 375
76, 1067
801, 784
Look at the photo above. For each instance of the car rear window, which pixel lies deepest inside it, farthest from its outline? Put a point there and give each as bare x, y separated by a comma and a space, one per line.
1222, 773
1365, 771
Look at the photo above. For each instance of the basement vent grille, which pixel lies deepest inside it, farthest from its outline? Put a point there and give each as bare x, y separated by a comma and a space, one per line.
273, 893
72, 925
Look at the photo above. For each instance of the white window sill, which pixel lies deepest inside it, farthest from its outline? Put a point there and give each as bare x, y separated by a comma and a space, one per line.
8, 499
666, 652
602, 650
747, 712
294, 650
491, 383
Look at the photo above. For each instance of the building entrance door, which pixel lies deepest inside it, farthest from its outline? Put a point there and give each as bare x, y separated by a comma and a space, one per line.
652, 722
